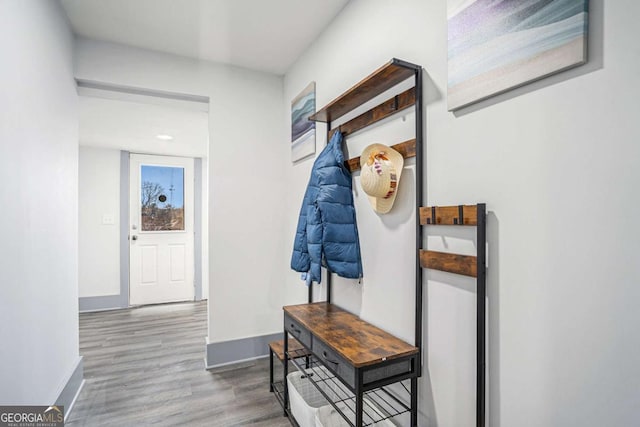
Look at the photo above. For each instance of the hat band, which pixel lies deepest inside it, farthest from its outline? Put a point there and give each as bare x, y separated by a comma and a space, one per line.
393, 185
377, 159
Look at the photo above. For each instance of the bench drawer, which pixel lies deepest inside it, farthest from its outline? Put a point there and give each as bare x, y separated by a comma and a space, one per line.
297, 331
387, 371
334, 362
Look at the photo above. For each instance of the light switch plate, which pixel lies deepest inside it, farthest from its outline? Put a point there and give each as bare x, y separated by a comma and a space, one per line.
108, 219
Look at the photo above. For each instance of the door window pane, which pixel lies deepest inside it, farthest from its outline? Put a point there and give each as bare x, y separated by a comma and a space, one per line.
162, 198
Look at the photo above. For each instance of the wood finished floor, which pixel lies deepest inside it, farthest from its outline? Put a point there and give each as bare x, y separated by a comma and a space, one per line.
145, 366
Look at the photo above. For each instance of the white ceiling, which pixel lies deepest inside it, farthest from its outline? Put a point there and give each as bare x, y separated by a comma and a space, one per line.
265, 35
132, 123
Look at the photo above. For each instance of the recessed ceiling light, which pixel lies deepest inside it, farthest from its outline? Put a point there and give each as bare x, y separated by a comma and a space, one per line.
164, 137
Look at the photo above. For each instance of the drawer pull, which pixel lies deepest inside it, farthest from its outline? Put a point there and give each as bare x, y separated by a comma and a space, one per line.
326, 357
295, 330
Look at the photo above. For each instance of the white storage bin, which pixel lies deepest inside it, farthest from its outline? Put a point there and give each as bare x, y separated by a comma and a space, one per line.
304, 399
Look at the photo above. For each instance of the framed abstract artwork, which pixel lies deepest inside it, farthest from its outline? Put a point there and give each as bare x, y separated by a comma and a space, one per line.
497, 45
303, 131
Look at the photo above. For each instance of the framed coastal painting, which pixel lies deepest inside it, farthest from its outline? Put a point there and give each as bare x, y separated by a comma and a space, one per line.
303, 131
497, 45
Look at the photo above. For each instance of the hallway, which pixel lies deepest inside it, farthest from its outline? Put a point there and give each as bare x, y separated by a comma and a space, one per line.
145, 366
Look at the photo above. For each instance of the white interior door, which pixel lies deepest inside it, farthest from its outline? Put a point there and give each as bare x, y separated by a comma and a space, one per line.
161, 267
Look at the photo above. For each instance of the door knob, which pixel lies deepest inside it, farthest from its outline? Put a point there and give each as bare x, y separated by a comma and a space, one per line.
134, 237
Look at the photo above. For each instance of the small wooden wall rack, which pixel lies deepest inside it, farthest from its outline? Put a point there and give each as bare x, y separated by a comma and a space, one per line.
473, 266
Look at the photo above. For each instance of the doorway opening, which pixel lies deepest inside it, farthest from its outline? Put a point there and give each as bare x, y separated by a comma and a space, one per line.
143, 202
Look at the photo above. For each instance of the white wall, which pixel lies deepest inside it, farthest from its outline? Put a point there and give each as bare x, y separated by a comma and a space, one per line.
247, 160
39, 195
99, 237
556, 164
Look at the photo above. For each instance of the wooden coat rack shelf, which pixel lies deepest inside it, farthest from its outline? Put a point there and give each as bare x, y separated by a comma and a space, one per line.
384, 78
375, 84
380, 112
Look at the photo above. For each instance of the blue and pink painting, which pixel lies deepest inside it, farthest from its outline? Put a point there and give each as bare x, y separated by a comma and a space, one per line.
497, 45
303, 131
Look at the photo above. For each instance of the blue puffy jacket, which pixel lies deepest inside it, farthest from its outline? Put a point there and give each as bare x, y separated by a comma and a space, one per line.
327, 233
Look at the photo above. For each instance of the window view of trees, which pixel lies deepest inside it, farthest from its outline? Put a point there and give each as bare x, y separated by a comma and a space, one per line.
158, 212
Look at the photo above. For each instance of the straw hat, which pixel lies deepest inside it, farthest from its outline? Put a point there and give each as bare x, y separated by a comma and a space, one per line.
381, 168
